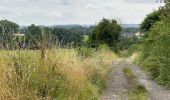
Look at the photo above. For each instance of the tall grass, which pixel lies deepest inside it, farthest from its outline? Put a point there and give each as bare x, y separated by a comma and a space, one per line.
63, 75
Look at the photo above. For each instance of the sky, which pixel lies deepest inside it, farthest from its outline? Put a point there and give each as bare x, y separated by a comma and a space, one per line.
85, 12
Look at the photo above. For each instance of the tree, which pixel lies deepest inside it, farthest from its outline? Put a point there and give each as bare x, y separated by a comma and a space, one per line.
150, 20
106, 32
7, 29
39, 37
166, 9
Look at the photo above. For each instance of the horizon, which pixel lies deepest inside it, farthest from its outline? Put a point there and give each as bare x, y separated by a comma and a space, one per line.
82, 25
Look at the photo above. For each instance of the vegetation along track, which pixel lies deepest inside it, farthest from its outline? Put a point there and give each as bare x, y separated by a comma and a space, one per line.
117, 84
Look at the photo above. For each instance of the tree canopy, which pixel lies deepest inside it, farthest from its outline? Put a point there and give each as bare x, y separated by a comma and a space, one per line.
150, 20
7, 29
106, 32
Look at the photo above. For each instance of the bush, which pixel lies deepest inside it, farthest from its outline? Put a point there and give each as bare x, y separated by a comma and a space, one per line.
104, 47
134, 48
155, 56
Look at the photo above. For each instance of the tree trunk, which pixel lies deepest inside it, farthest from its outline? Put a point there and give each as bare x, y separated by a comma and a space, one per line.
43, 53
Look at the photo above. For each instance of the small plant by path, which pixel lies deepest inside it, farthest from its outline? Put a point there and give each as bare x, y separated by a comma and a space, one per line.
137, 92
128, 73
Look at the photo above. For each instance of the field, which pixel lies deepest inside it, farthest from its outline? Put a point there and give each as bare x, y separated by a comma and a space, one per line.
64, 74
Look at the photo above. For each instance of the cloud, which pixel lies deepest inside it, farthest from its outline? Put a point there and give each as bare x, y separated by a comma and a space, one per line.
141, 1
53, 14
90, 6
50, 12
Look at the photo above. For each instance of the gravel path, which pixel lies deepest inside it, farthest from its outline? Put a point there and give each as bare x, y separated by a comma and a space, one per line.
117, 84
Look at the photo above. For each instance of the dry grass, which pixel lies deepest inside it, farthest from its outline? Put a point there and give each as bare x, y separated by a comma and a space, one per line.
63, 75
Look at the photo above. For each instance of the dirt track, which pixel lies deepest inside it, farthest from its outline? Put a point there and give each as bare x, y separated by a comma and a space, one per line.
117, 84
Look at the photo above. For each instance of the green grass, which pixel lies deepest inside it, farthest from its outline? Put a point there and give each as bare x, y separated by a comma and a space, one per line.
137, 93
86, 37
128, 73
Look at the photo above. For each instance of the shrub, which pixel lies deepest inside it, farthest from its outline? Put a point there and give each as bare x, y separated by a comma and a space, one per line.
155, 56
128, 73
134, 48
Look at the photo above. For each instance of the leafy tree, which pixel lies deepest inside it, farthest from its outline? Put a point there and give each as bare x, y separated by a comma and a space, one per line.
7, 29
106, 32
166, 9
150, 20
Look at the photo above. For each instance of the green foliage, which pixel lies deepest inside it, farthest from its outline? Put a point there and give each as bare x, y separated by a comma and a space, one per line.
150, 20
134, 48
155, 56
106, 32
126, 42
38, 37
103, 47
166, 9
52, 36
80, 30
7, 29
65, 36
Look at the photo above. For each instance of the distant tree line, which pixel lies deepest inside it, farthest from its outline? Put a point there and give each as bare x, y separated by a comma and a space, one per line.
11, 36
107, 32
7, 29
129, 31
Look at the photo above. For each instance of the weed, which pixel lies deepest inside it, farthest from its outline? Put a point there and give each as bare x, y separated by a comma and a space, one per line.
137, 93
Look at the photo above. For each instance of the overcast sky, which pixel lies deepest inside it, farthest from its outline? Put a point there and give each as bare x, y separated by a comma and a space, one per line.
52, 12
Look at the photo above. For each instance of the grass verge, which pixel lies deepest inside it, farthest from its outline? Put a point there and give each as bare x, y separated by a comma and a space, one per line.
136, 91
